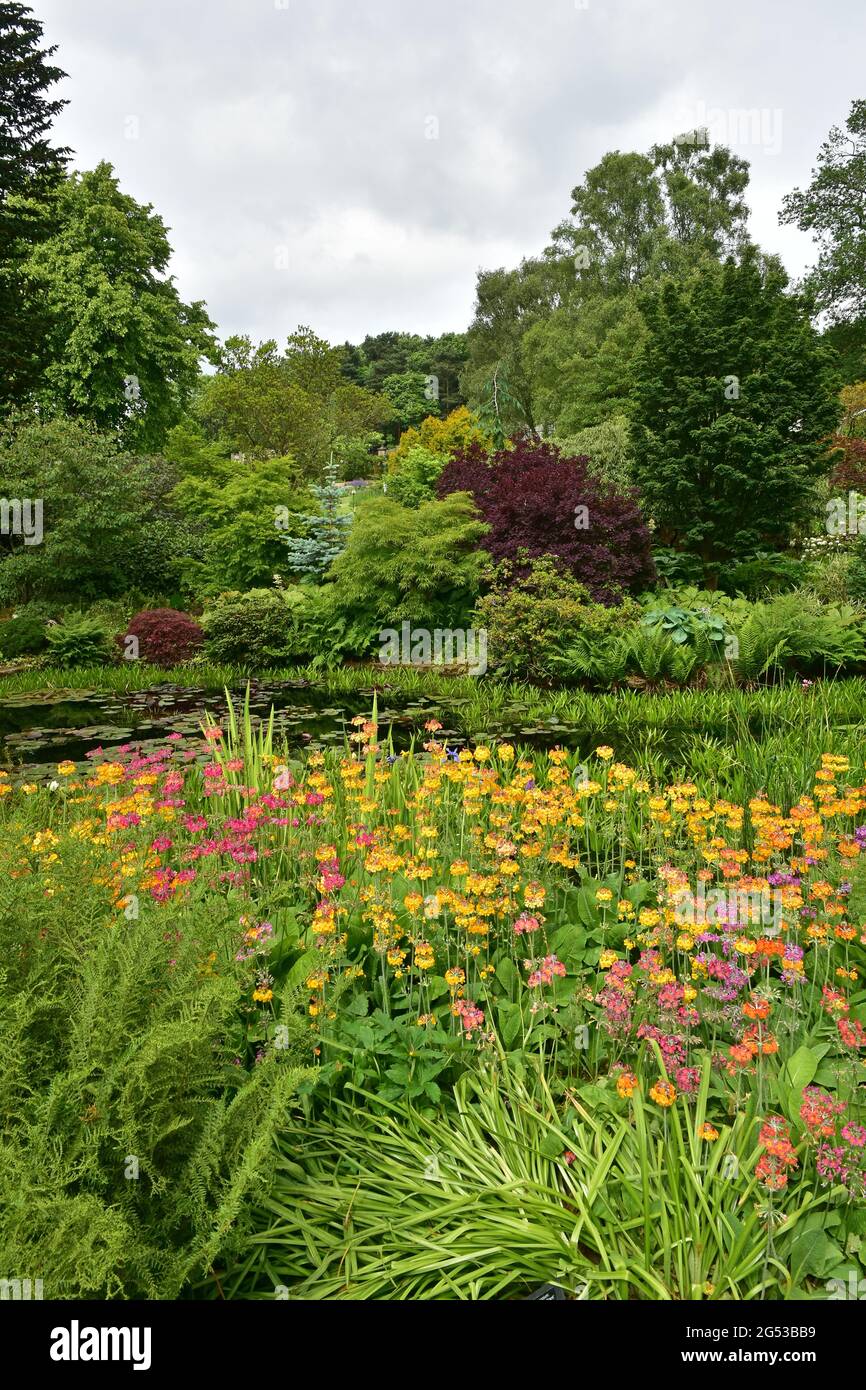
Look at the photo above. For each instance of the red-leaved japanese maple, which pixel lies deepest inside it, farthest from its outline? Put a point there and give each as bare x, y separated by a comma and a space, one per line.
165, 636
849, 466
536, 502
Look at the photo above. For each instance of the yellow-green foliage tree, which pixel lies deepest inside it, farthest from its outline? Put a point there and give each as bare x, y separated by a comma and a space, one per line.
443, 437
414, 466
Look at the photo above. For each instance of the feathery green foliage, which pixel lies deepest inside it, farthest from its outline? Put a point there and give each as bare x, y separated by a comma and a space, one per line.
130, 1143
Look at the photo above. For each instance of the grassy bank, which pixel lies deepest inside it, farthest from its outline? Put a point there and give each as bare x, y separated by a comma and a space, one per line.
723, 712
843, 699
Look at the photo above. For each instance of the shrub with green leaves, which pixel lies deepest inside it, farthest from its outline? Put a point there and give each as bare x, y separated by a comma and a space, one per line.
416, 463
22, 635
687, 625
769, 572
93, 510
532, 618
423, 565
262, 627
241, 512
675, 567
415, 480
711, 604
79, 640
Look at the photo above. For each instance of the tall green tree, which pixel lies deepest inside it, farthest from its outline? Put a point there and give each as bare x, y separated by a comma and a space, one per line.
97, 509
122, 348
508, 303
636, 215
734, 395
609, 446
833, 209
440, 360
579, 361
617, 218
268, 403
411, 398
241, 512
703, 189
551, 341
443, 358
379, 356
30, 168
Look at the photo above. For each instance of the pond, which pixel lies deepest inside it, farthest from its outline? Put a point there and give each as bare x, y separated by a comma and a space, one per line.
40, 729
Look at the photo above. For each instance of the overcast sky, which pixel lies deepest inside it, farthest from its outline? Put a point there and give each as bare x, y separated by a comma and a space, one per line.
351, 164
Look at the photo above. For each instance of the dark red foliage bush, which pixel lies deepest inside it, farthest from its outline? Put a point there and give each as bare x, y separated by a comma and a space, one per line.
165, 636
530, 496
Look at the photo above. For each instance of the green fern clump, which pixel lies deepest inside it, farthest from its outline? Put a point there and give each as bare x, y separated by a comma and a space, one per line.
133, 1137
654, 655
796, 633
603, 661
792, 634
78, 640
646, 652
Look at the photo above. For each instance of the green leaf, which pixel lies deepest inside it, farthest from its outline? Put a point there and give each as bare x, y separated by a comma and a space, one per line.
551, 1146
638, 893
506, 974
587, 908
569, 943
813, 1252
797, 1073
563, 990
855, 1220
509, 1020
301, 968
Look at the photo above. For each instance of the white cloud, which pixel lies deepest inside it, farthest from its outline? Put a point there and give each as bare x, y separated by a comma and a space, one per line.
307, 127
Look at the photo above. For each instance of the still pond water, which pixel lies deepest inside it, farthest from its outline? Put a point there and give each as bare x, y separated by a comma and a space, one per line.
38, 730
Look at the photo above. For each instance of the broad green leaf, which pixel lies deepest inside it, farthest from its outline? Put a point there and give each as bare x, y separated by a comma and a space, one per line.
799, 1071
509, 1020
506, 974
